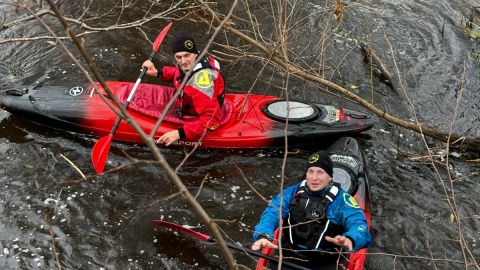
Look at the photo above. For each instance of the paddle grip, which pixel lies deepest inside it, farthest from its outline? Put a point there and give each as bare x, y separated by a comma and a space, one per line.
152, 55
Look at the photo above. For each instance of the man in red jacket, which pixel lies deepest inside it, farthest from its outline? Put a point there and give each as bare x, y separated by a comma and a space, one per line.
203, 94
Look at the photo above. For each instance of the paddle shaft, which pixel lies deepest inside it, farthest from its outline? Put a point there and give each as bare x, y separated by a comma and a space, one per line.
211, 239
260, 255
134, 89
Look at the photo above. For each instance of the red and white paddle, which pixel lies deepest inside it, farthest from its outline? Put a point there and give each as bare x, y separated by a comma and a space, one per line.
102, 146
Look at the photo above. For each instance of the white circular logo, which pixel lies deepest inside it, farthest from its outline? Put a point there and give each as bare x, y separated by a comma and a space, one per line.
315, 214
75, 91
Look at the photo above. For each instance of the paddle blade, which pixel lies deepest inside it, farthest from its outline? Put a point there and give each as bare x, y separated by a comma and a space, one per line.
160, 37
180, 228
100, 153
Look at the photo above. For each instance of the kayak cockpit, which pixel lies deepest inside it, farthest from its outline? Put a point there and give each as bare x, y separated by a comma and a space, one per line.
150, 100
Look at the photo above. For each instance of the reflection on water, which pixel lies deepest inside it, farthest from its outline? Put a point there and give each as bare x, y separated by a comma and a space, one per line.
105, 222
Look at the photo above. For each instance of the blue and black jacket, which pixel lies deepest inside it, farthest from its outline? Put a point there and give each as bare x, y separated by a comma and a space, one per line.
342, 211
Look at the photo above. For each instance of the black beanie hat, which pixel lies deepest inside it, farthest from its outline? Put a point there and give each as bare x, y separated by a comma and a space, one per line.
322, 160
184, 43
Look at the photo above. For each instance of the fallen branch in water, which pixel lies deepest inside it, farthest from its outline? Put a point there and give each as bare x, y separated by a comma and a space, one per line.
54, 248
372, 57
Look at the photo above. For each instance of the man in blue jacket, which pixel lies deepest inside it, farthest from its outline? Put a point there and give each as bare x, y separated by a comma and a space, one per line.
317, 214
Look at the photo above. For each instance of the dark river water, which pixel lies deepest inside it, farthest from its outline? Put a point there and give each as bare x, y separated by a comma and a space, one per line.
425, 213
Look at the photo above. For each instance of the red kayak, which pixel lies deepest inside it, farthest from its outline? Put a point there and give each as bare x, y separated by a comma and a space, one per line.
350, 171
251, 121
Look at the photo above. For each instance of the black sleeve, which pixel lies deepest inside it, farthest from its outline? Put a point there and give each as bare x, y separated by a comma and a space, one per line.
265, 236
159, 72
181, 132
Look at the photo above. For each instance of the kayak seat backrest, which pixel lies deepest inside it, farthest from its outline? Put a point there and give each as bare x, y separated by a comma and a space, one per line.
227, 111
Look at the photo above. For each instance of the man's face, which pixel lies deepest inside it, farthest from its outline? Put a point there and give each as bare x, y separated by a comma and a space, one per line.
317, 178
185, 60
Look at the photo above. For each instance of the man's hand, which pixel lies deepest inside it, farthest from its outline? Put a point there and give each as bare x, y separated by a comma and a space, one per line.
341, 241
263, 243
169, 137
151, 70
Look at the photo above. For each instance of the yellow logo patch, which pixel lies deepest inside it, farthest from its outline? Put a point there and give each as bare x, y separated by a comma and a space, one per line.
350, 201
188, 44
203, 79
313, 158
